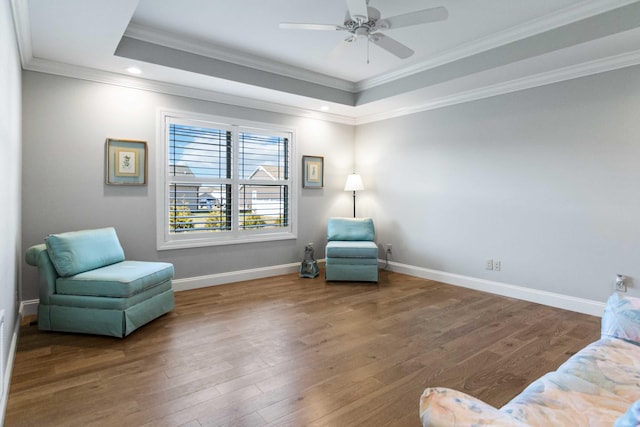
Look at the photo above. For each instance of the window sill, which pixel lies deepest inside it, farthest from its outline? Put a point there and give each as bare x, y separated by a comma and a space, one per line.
223, 241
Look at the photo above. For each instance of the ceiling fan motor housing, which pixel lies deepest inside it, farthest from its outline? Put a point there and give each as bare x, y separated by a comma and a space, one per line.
362, 25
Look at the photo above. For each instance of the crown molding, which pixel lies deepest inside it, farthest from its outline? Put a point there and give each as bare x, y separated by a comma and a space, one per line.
174, 41
537, 26
542, 79
91, 74
20, 12
567, 73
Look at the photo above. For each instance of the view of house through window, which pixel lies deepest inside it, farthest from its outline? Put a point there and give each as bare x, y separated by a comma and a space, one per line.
226, 182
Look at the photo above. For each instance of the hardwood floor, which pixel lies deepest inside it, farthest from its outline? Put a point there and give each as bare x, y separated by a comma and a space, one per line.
287, 351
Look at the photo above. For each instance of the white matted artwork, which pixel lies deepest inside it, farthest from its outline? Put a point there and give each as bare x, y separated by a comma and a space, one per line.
312, 172
126, 162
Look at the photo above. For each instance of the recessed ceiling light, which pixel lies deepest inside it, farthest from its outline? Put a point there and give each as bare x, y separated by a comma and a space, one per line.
324, 108
134, 70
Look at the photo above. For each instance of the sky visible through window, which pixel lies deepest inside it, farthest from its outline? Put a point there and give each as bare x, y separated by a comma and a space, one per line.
205, 152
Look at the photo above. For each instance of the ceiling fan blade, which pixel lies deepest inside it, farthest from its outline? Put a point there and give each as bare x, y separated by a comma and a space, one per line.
340, 48
418, 17
301, 26
358, 10
390, 45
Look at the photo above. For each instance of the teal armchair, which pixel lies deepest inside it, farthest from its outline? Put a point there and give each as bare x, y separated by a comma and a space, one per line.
87, 286
351, 253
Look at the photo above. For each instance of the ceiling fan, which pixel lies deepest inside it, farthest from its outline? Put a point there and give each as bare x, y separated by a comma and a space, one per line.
364, 21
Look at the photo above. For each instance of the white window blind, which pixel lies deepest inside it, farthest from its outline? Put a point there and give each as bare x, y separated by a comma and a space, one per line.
224, 183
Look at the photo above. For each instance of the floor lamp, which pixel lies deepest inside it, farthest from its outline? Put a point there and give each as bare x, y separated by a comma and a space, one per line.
354, 183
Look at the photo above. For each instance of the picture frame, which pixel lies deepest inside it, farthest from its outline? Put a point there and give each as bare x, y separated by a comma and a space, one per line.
312, 172
125, 162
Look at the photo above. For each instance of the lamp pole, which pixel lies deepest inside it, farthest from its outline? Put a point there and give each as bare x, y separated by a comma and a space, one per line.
354, 183
354, 203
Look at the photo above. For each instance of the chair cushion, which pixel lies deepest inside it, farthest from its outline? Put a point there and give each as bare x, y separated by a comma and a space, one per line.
350, 229
78, 251
120, 280
351, 249
103, 303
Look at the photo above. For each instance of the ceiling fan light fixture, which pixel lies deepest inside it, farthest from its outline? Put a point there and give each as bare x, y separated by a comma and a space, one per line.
362, 31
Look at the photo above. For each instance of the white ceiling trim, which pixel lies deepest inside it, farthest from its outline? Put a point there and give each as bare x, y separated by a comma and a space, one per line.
174, 41
568, 73
519, 32
22, 24
542, 79
100, 76
540, 25
20, 11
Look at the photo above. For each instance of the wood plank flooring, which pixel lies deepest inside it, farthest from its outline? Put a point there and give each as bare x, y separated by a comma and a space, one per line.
287, 351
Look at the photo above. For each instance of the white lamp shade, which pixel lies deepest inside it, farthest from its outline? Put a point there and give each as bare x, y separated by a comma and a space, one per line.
354, 183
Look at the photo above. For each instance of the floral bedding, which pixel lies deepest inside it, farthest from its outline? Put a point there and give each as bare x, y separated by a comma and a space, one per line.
598, 386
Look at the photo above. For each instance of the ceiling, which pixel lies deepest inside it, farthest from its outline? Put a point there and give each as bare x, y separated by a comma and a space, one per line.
235, 52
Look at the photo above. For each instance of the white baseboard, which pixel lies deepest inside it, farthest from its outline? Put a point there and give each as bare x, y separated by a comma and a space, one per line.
580, 305
233, 276
9, 368
29, 307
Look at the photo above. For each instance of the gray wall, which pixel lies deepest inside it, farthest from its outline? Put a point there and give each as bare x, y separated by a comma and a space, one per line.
66, 122
10, 167
546, 180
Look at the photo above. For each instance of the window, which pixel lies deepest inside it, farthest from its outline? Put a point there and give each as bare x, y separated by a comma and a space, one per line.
223, 183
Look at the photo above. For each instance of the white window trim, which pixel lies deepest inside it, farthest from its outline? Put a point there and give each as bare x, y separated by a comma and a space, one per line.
165, 241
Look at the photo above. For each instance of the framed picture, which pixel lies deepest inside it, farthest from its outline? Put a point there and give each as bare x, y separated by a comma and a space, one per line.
312, 172
126, 162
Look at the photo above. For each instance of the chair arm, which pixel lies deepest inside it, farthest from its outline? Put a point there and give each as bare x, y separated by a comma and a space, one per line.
450, 408
37, 256
33, 253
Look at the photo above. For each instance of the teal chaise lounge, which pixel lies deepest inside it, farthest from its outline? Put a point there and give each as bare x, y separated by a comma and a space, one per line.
87, 286
351, 253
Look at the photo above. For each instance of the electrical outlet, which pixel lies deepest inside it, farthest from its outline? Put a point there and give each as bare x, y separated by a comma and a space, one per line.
488, 264
389, 248
621, 286
497, 265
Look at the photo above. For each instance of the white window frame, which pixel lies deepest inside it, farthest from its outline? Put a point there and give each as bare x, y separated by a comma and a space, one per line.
168, 241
